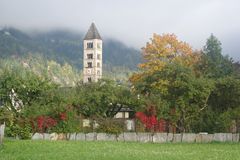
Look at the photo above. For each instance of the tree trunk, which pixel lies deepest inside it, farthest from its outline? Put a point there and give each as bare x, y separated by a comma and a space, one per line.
2, 127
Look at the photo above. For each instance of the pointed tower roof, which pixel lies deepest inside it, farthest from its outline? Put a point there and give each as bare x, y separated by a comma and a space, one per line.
92, 33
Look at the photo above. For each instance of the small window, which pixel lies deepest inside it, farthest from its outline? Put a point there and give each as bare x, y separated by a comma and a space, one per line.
89, 65
90, 45
98, 56
98, 65
89, 79
89, 56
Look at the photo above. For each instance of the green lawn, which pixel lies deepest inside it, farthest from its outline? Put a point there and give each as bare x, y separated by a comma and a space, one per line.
79, 150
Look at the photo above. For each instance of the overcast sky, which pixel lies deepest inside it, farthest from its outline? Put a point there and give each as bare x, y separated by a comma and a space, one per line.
132, 21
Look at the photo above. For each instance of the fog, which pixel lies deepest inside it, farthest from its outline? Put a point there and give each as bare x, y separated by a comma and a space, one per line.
132, 21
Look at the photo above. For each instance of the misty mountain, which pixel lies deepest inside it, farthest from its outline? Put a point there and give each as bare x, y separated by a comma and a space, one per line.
64, 46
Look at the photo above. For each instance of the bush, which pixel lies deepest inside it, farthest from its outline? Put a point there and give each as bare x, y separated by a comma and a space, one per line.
87, 129
17, 131
62, 120
43, 124
139, 126
110, 126
208, 121
5, 115
68, 122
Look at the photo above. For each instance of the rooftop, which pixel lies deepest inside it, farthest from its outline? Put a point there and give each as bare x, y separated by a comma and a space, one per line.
92, 33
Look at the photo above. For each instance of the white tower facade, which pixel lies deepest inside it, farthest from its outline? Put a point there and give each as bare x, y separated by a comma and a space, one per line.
92, 55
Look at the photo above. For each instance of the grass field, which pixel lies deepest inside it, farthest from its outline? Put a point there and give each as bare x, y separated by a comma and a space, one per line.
79, 150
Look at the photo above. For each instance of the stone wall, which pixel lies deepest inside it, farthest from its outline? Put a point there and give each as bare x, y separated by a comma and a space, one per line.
143, 137
2, 127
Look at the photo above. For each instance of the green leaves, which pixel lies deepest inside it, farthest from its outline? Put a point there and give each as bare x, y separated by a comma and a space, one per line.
103, 98
217, 65
226, 94
176, 87
25, 88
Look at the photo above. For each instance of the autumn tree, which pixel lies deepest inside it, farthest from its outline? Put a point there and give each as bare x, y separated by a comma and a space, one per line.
162, 50
168, 72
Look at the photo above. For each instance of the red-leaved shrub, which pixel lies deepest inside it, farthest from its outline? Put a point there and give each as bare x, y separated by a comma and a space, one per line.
150, 121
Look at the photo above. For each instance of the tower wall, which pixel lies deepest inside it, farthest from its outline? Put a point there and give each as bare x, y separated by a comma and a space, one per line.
92, 60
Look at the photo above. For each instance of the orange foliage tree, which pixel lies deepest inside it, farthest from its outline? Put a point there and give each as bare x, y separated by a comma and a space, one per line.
169, 80
162, 50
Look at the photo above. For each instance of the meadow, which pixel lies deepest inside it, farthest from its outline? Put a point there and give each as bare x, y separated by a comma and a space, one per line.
83, 150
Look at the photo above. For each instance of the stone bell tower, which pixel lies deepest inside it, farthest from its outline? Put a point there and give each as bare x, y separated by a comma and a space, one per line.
92, 55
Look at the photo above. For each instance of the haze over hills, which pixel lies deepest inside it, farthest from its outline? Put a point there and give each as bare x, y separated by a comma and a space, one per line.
65, 47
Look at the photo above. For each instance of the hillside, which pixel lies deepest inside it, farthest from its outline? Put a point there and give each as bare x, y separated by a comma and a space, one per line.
64, 46
58, 55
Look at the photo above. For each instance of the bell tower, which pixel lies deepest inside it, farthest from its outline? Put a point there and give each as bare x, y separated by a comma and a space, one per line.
92, 55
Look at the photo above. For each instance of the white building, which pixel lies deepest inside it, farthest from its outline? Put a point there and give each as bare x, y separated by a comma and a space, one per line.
92, 55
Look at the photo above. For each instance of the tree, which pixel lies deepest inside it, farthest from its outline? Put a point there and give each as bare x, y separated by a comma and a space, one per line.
180, 92
217, 64
168, 73
223, 108
224, 96
162, 50
104, 98
236, 67
224, 102
19, 90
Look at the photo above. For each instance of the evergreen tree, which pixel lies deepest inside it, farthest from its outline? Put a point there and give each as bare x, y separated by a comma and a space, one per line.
217, 64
